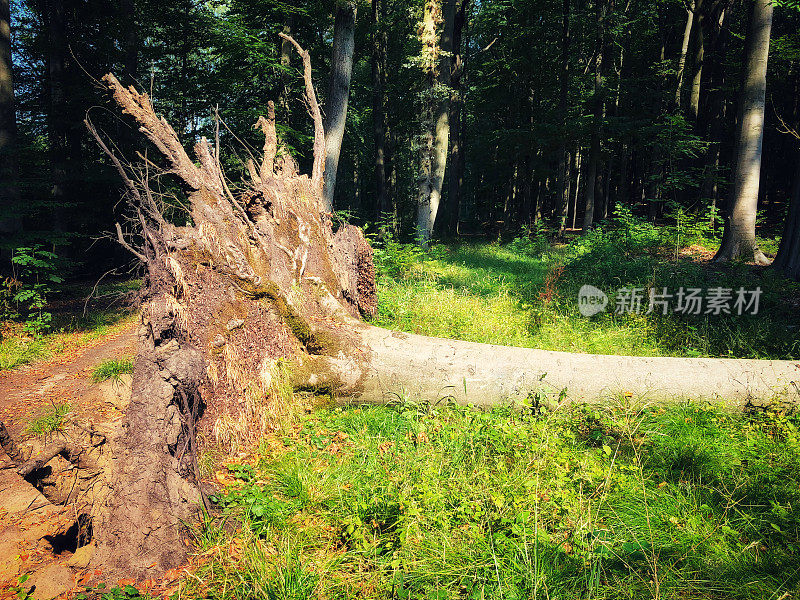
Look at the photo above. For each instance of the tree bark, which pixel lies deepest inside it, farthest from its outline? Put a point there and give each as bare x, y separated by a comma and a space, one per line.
697, 64
739, 238
687, 34
379, 43
131, 39
339, 93
787, 261
10, 221
456, 158
597, 122
562, 174
435, 112
58, 113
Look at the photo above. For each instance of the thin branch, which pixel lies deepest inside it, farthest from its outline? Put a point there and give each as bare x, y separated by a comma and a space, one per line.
127, 246
115, 160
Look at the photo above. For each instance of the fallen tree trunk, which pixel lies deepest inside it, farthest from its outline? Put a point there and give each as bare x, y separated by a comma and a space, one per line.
483, 375
259, 280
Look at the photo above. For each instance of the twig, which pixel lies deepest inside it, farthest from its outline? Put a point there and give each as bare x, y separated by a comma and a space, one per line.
127, 246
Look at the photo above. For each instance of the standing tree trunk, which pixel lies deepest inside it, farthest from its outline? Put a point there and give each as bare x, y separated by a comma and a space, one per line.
10, 221
339, 92
435, 112
687, 34
57, 114
597, 121
739, 238
131, 39
562, 203
379, 43
787, 261
697, 65
456, 156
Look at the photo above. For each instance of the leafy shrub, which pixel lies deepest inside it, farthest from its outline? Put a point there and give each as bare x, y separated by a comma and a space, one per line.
395, 259
37, 279
532, 241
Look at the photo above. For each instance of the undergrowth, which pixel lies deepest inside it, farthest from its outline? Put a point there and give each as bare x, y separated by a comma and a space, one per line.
113, 369
415, 501
70, 326
49, 420
525, 293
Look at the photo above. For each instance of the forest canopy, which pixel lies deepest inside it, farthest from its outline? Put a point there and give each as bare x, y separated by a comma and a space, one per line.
453, 118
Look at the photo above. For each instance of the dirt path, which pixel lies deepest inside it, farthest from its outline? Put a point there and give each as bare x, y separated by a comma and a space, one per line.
41, 533
67, 377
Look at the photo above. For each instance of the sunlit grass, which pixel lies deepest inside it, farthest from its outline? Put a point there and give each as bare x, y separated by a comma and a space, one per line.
417, 502
499, 294
49, 420
112, 369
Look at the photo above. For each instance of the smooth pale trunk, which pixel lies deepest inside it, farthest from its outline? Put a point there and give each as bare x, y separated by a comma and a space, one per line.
699, 59
739, 239
434, 161
342, 70
687, 34
430, 369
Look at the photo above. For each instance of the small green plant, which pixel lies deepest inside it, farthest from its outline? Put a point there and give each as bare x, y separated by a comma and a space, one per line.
112, 369
37, 276
394, 259
102, 592
49, 420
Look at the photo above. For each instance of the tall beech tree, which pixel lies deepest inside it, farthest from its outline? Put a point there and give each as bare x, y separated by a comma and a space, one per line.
435, 115
339, 91
739, 238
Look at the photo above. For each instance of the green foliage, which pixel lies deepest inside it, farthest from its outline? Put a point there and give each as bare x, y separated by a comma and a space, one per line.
112, 369
517, 296
37, 279
118, 592
49, 420
395, 259
419, 501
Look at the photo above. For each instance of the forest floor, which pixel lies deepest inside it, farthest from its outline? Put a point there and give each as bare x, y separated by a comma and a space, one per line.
416, 501
525, 293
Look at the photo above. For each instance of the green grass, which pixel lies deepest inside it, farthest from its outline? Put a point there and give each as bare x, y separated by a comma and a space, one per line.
49, 420
70, 326
525, 294
112, 369
418, 502
16, 351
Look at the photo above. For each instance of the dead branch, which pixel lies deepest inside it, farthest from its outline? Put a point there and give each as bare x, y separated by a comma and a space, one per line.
313, 107
35, 463
135, 195
127, 246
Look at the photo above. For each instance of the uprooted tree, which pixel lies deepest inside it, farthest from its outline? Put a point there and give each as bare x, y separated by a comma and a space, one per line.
259, 279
